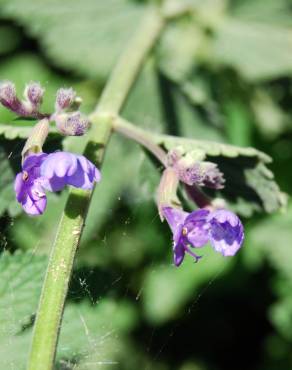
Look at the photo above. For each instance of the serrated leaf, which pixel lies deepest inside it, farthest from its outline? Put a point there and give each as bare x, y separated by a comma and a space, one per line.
248, 181
15, 130
7, 195
20, 284
100, 327
84, 36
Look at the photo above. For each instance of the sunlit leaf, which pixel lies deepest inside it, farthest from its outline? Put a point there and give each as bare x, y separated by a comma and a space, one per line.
84, 36
247, 178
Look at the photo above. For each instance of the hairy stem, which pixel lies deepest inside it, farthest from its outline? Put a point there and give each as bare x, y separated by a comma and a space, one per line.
141, 136
51, 306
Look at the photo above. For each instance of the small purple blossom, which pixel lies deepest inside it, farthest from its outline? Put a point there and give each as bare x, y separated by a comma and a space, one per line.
8, 97
71, 124
34, 94
64, 99
222, 228
193, 171
51, 172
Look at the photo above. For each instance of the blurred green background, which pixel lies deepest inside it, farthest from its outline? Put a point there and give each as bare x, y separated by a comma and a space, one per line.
222, 72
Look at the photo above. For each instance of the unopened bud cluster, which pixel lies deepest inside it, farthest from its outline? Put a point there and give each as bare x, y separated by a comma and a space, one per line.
69, 120
193, 171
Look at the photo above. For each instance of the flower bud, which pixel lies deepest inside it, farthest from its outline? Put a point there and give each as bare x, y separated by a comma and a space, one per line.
36, 139
193, 171
71, 124
34, 94
8, 95
65, 99
166, 192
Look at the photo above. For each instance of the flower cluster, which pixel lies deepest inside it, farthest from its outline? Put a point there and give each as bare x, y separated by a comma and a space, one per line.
69, 120
192, 171
221, 228
43, 172
211, 222
52, 172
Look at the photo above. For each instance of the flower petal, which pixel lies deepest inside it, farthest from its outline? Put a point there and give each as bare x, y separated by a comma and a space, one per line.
59, 164
226, 232
19, 187
35, 201
175, 217
179, 253
63, 168
197, 228
34, 160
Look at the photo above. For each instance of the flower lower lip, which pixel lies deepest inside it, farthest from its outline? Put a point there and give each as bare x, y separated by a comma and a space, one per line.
24, 175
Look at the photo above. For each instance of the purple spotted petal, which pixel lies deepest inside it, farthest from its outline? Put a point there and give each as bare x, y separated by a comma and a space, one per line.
197, 228
175, 218
30, 194
35, 202
226, 232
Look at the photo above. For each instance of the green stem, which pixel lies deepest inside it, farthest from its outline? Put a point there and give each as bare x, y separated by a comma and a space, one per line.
130, 62
51, 305
141, 136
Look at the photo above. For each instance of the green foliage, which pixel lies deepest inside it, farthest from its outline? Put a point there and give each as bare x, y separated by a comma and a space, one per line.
220, 76
100, 327
7, 196
15, 131
249, 184
92, 32
21, 279
166, 290
21, 276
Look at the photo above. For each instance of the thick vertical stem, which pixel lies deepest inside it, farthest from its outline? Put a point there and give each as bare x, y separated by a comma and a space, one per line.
51, 305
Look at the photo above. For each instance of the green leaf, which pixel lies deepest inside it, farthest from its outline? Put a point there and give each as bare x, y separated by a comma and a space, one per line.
168, 289
100, 327
15, 130
178, 49
257, 50
20, 284
271, 120
270, 237
281, 314
143, 105
7, 195
84, 36
9, 39
249, 184
21, 276
29, 234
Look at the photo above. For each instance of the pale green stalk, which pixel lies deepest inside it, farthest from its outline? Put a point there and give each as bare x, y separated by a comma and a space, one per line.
51, 305
141, 136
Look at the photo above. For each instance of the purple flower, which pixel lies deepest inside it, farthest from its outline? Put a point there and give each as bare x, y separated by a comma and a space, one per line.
193, 171
71, 124
222, 228
51, 172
